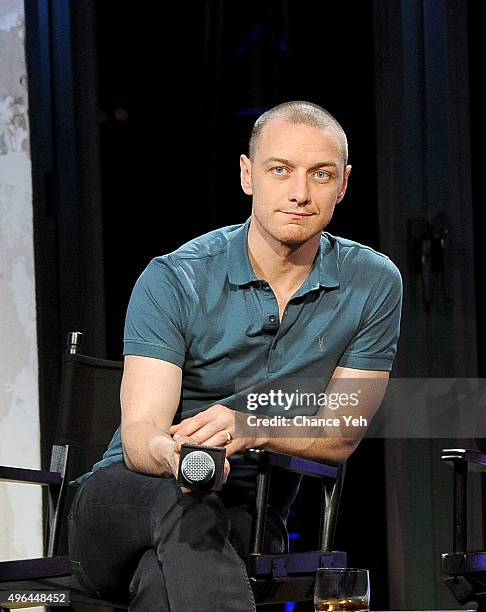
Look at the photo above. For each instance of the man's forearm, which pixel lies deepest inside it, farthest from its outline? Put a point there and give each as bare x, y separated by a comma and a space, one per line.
148, 449
330, 443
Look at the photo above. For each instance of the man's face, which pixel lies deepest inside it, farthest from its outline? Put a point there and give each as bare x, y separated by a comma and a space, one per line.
296, 178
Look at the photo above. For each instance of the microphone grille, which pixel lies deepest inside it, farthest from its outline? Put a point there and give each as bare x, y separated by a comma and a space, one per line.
198, 466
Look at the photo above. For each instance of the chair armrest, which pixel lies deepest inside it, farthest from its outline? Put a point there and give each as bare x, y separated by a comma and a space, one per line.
290, 463
41, 477
464, 454
464, 563
33, 569
331, 479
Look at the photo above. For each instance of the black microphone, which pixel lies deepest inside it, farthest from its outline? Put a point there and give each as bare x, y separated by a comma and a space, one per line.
201, 468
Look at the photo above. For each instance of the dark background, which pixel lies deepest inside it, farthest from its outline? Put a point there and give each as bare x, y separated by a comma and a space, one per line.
198, 75
228, 62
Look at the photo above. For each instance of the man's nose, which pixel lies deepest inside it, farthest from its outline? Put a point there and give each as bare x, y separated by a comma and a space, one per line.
299, 188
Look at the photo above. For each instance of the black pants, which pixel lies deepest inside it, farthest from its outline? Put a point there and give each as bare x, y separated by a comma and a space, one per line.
139, 538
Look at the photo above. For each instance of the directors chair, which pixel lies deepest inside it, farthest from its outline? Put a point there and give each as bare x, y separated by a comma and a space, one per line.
89, 413
464, 570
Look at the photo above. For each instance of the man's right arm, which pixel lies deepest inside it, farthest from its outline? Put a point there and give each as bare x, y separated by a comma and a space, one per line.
150, 394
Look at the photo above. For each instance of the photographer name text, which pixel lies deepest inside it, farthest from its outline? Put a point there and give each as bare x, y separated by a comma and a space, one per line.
306, 421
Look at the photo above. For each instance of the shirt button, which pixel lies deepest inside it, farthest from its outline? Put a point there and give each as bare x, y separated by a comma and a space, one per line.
272, 318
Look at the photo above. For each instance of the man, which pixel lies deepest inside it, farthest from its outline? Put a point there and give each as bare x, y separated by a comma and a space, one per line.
267, 300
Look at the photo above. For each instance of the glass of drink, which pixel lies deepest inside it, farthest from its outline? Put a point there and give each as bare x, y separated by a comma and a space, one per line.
342, 588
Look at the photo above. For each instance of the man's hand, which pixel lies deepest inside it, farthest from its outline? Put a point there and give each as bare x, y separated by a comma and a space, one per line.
209, 427
150, 395
176, 455
177, 452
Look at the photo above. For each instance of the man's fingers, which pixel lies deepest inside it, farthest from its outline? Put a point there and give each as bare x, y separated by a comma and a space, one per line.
188, 427
210, 431
183, 440
226, 470
234, 447
217, 414
204, 431
174, 428
220, 438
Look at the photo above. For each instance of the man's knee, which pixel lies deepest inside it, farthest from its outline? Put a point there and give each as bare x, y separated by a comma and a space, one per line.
199, 521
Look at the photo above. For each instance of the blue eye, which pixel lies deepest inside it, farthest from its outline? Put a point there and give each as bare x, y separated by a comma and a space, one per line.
321, 175
279, 170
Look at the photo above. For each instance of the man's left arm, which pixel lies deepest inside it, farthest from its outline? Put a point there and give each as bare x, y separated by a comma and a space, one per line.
323, 444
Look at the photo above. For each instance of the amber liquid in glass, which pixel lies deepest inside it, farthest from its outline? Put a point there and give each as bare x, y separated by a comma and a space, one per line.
354, 604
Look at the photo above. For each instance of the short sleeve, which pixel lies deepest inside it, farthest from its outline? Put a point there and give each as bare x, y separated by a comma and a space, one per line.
375, 344
154, 324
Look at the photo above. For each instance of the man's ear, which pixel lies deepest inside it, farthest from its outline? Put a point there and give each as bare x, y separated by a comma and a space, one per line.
245, 174
344, 186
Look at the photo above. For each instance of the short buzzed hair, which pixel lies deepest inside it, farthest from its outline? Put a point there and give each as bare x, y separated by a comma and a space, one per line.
298, 112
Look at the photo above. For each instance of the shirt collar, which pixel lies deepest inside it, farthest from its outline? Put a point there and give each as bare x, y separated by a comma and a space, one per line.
240, 271
325, 271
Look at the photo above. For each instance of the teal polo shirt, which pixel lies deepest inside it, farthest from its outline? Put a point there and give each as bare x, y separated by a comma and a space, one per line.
203, 308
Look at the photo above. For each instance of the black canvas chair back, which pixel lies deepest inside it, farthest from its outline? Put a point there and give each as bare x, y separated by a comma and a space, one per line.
89, 414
